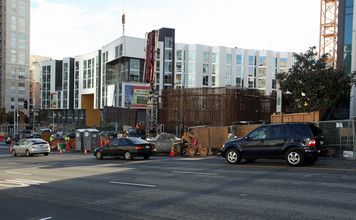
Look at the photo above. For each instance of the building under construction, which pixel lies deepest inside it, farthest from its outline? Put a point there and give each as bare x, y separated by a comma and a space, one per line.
182, 108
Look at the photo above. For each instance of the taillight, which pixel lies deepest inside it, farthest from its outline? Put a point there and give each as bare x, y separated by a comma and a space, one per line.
312, 143
153, 146
139, 147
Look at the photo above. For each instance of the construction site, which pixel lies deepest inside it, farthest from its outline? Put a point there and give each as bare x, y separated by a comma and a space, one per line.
183, 108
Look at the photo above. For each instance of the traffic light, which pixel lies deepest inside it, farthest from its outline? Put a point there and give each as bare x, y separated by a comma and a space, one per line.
25, 104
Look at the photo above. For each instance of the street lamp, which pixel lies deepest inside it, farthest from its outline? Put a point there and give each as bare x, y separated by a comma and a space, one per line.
16, 122
54, 115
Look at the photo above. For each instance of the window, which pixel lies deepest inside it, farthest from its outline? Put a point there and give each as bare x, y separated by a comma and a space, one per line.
191, 68
179, 67
168, 41
239, 71
168, 67
238, 82
169, 55
205, 80
252, 60
228, 58
252, 71
206, 57
259, 133
262, 83
215, 69
191, 55
205, 68
262, 72
283, 62
228, 80
228, 70
215, 58
179, 55
263, 61
239, 59
135, 70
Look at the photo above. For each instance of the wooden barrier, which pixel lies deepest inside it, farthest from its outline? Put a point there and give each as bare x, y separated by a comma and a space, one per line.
296, 117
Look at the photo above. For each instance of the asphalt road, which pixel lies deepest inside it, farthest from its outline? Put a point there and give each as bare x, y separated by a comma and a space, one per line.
77, 186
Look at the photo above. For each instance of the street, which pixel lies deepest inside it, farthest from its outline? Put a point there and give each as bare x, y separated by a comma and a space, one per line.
77, 186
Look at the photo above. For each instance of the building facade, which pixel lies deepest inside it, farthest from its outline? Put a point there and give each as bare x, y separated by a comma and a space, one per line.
113, 76
15, 54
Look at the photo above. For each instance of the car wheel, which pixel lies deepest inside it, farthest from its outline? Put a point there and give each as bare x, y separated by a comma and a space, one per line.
233, 156
294, 157
99, 155
14, 153
250, 160
146, 157
128, 155
28, 153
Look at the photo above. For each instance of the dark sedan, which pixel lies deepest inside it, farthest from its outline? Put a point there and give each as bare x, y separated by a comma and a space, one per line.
127, 147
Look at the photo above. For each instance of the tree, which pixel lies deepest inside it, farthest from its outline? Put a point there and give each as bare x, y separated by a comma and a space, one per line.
312, 85
42, 115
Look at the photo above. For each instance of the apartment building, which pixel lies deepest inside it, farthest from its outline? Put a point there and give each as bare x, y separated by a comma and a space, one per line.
14, 54
113, 76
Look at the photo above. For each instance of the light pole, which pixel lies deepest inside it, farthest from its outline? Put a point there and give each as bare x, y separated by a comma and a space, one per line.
54, 115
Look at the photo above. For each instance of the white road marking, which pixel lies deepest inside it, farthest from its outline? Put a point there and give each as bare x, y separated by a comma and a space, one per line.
197, 173
20, 183
4, 147
46, 218
26, 174
133, 184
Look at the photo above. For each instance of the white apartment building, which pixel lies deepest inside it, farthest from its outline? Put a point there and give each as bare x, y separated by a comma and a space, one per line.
200, 66
113, 76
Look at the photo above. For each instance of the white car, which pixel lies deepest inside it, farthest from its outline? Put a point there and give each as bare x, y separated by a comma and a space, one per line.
31, 146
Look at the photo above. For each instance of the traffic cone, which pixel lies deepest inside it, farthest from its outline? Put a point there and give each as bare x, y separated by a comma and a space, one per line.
172, 151
60, 151
11, 145
85, 152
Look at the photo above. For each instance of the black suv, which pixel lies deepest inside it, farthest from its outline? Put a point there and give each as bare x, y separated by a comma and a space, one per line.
297, 143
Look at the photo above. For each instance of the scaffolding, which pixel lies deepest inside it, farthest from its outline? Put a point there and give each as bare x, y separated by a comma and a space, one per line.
225, 106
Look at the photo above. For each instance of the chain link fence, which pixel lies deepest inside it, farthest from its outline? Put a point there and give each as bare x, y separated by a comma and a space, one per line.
340, 137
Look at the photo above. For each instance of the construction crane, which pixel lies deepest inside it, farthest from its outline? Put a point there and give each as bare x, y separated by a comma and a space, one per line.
150, 77
328, 30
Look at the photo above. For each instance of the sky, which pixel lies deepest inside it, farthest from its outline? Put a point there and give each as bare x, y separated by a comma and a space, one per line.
68, 28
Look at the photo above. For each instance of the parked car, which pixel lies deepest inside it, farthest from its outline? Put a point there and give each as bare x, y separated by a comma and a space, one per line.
297, 143
127, 147
165, 141
31, 146
8, 139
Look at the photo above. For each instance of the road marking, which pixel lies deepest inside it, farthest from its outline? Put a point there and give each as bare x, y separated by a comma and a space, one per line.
20, 183
26, 174
4, 147
46, 218
133, 184
194, 158
197, 173
288, 167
